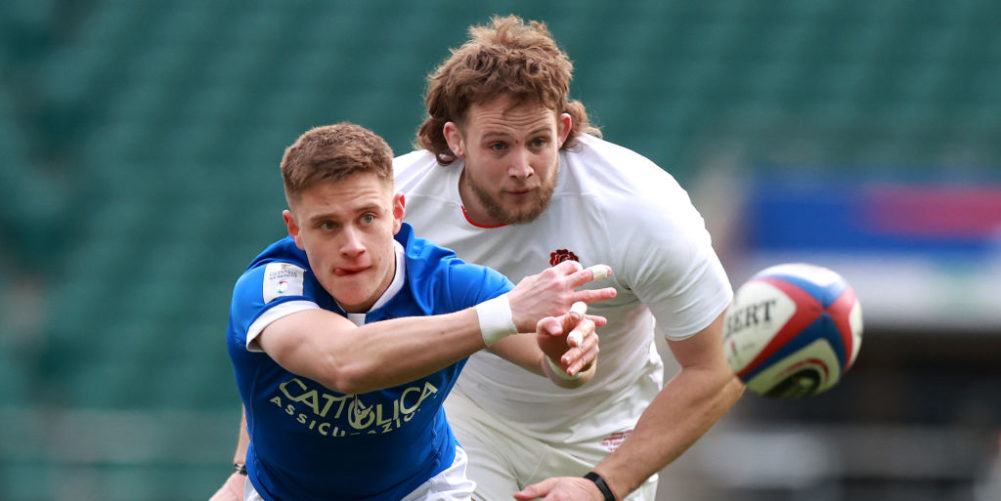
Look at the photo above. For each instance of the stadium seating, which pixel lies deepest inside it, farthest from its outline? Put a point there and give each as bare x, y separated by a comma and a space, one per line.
141, 143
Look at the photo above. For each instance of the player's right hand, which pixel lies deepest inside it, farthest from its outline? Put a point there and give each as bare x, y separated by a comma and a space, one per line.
552, 292
560, 489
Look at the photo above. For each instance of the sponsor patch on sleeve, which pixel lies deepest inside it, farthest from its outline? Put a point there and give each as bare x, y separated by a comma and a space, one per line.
282, 279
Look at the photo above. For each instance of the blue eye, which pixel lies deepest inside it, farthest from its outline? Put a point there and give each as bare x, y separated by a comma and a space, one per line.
368, 219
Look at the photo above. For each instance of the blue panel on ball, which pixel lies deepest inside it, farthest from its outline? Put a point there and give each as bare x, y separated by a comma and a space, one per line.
825, 295
823, 327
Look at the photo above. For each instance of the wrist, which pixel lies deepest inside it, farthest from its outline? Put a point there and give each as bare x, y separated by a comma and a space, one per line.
240, 468
599, 482
496, 320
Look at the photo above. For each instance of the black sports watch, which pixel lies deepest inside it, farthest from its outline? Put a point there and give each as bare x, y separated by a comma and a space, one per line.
602, 486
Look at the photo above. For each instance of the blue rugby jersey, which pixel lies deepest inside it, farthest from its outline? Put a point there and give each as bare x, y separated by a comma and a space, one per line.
309, 442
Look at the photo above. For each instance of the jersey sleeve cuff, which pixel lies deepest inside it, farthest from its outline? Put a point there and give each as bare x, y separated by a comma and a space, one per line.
272, 314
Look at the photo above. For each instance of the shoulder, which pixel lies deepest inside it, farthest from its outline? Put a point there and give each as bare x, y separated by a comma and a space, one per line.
283, 250
282, 269
429, 187
423, 256
628, 186
600, 166
411, 167
631, 199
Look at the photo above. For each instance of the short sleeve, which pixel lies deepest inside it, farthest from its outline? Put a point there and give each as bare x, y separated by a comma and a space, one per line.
266, 293
671, 266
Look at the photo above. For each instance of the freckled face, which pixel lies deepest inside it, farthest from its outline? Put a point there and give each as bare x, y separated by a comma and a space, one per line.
512, 159
346, 229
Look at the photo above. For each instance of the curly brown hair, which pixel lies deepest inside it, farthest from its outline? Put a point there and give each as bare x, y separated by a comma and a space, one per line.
332, 153
508, 57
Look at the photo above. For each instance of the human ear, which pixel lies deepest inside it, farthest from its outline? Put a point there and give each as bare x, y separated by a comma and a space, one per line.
399, 210
453, 136
563, 125
293, 228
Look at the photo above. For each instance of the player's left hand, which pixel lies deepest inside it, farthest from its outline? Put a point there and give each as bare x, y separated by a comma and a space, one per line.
561, 489
570, 340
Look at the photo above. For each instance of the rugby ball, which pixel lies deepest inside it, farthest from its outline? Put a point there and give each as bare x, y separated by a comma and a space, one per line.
793, 330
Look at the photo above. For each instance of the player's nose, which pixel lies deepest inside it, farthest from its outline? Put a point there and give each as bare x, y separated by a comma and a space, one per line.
352, 245
519, 166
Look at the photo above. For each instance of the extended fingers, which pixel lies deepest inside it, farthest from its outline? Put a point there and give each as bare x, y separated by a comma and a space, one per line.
537, 490
582, 329
577, 311
581, 277
594, 295
582, 351
556, 326
598, 320
582, 338
584, 361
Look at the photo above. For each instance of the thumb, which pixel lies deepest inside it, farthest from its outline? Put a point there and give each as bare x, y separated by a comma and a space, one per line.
549, 325
535, 491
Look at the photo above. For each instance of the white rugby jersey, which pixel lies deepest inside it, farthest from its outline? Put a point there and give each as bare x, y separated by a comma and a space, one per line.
610, 206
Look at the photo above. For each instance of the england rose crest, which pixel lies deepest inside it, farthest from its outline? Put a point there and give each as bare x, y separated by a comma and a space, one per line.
561, 255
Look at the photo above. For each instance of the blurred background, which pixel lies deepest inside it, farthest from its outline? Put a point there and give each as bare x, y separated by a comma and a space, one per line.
139, 146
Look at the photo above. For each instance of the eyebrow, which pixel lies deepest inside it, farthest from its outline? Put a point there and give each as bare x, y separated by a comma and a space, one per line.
314, 220
534, 132
333, 217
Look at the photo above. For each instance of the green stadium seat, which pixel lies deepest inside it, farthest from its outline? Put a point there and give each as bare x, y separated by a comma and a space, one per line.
150, 133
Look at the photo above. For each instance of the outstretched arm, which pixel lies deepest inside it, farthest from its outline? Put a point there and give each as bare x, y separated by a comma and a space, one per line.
331, 350
690, 403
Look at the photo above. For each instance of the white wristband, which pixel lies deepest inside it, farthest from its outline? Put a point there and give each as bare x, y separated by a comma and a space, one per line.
560, 373
496, 320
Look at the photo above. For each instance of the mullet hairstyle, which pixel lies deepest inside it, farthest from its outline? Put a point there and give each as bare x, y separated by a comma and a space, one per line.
508, 57
332, 153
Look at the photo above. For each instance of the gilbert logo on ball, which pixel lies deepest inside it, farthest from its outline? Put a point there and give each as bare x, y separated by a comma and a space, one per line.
793, 330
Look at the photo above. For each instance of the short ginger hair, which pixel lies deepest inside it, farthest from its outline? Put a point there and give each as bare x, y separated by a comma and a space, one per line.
332, 153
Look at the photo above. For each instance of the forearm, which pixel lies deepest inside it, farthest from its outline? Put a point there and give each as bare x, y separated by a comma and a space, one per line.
681, 413
382, 354
243, 440
327, 348
521, 351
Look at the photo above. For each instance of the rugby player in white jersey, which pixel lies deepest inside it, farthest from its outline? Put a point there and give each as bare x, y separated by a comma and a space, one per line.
512, 176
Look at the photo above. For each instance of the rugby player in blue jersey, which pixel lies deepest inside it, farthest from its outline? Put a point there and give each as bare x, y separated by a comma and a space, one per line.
347, 335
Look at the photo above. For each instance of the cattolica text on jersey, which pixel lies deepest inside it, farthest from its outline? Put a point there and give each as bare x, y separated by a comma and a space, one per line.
315, 409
